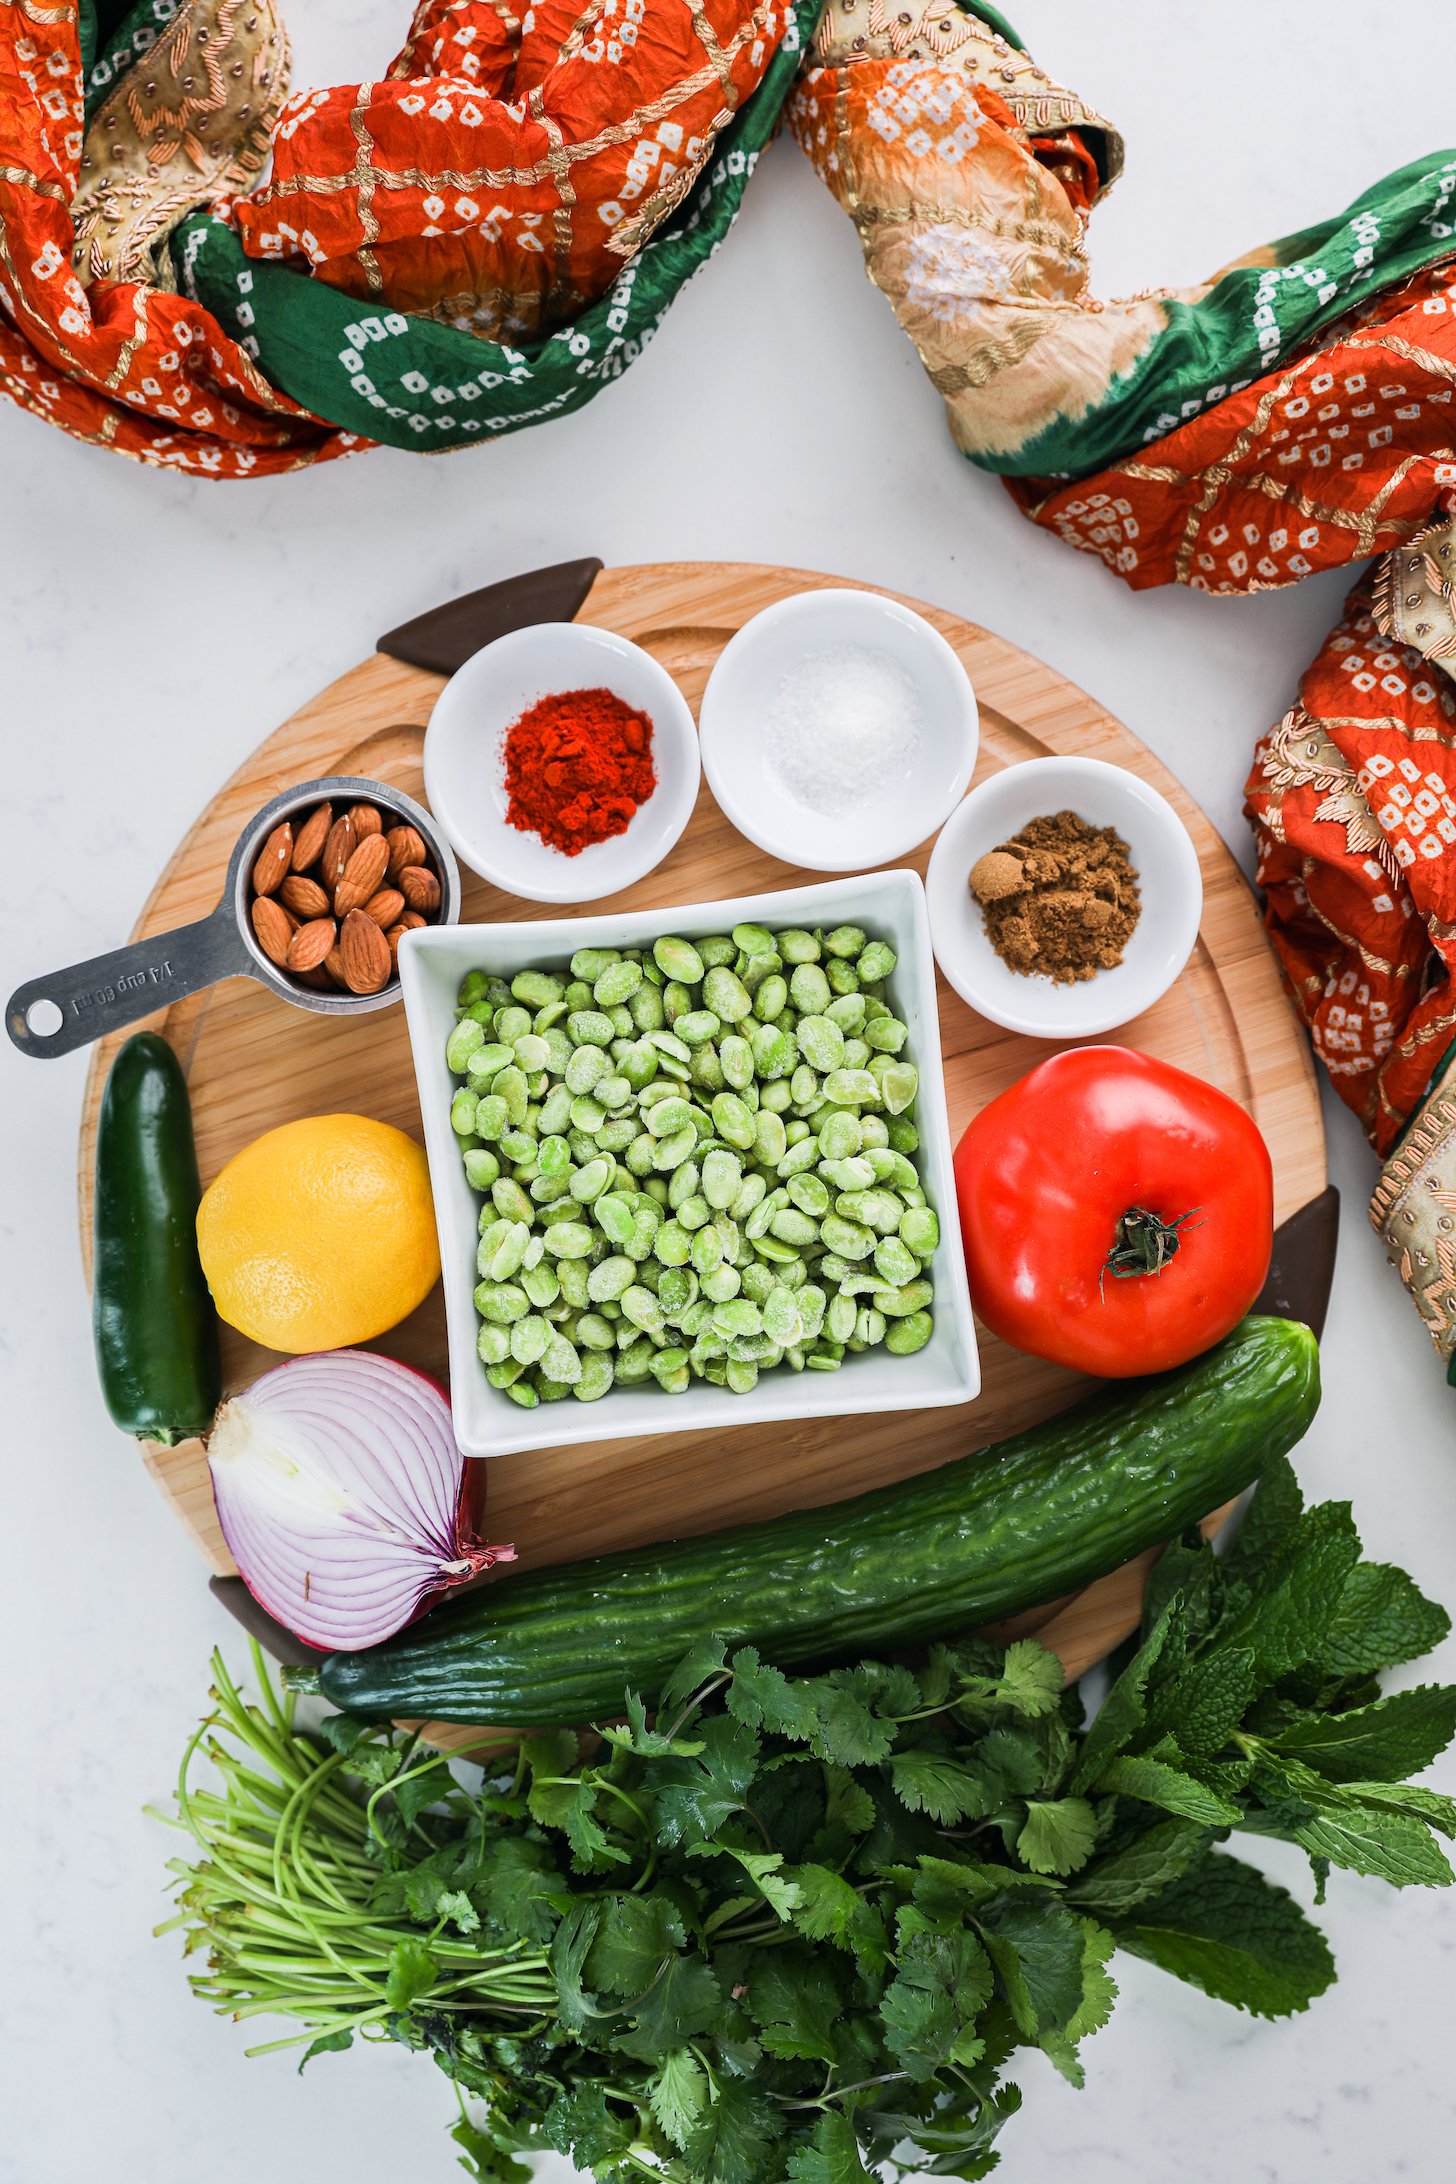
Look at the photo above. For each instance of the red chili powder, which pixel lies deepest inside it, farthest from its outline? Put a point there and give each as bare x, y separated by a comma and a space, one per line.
578, 764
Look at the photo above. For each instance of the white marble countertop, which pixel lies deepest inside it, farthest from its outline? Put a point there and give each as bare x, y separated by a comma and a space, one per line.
155, 627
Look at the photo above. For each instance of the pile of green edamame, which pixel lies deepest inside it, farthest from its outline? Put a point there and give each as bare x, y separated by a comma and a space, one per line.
697, 1160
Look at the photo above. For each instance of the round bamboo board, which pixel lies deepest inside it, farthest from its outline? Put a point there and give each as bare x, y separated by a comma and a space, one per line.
252, 1062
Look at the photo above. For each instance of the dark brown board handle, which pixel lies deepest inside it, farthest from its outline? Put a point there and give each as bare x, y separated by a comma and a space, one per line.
445, 637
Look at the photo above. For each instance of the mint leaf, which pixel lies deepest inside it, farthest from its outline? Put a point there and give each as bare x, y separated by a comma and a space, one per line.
1287, 1623
1436, 1810
1383, 1618
1394, 1737
678, 2094
1187, 1570
412, 1972
1389, 1846
1269, 1521
1158, 1784
930, 1782
1206, 1701
929, 2010
1123, 1713
833, 2157
1058, 1836
1226, 1928
1116, 1884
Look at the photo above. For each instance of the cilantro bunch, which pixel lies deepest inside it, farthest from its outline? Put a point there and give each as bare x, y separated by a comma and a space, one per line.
795, 1929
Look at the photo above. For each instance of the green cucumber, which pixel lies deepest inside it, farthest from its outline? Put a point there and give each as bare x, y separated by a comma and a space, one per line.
982, 1537
152, 1316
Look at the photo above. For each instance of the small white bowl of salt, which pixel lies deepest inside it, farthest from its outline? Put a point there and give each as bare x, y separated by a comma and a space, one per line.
838, 730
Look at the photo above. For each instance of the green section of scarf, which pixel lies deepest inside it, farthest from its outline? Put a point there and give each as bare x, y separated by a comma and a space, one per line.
114, 37
1254, 319
415, 383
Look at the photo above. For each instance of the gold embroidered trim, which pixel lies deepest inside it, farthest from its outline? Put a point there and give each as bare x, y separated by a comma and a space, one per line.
193, 120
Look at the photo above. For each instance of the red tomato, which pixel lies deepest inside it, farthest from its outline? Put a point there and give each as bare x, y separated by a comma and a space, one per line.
1118, 1214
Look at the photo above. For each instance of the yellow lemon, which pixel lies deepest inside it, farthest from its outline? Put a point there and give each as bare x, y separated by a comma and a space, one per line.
320, 1233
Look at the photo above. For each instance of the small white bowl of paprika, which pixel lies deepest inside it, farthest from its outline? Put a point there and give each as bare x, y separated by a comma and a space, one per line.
562, 762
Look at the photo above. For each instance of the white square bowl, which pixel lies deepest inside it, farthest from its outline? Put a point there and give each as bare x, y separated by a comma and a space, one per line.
432, 962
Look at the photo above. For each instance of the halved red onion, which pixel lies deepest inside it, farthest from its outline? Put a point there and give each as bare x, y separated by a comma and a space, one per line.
339, 1489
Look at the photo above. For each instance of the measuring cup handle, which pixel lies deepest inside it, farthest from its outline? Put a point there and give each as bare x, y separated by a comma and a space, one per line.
110, 991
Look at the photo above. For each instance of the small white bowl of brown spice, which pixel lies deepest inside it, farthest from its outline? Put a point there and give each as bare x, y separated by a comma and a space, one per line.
1064, 897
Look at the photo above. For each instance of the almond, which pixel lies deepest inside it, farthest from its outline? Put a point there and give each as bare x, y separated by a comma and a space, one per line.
384, 907
406, 847
274, 928
305, 898
310, 944
338, 849
362, 875
308, 846
366, 820
272, 861
365, 953
405, 923
333, 964
420, 888
318, 978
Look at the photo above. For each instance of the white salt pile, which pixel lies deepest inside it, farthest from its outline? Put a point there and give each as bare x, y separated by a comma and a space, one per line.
840, 723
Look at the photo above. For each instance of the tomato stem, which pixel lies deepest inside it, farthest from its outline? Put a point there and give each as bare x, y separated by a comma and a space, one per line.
1144, 1243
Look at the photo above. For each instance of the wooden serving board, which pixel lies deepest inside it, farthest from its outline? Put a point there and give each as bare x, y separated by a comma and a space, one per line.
252, 1062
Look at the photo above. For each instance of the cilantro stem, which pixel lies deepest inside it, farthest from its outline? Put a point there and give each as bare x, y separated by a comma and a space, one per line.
839, 2092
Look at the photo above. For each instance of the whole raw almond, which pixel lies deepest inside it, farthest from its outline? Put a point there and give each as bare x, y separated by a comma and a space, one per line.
318, 978
310, 944
420, 888
384, 907
406, 847
406, 922
338, 849
333, 964
362, 875
311, 836
304, 897
274, 928
366, 820
365, 954
272, 860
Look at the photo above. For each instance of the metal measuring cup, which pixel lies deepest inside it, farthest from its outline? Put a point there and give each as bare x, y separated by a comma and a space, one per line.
110, 991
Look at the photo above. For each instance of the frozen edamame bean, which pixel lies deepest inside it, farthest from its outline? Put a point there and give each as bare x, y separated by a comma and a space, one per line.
698, 1160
